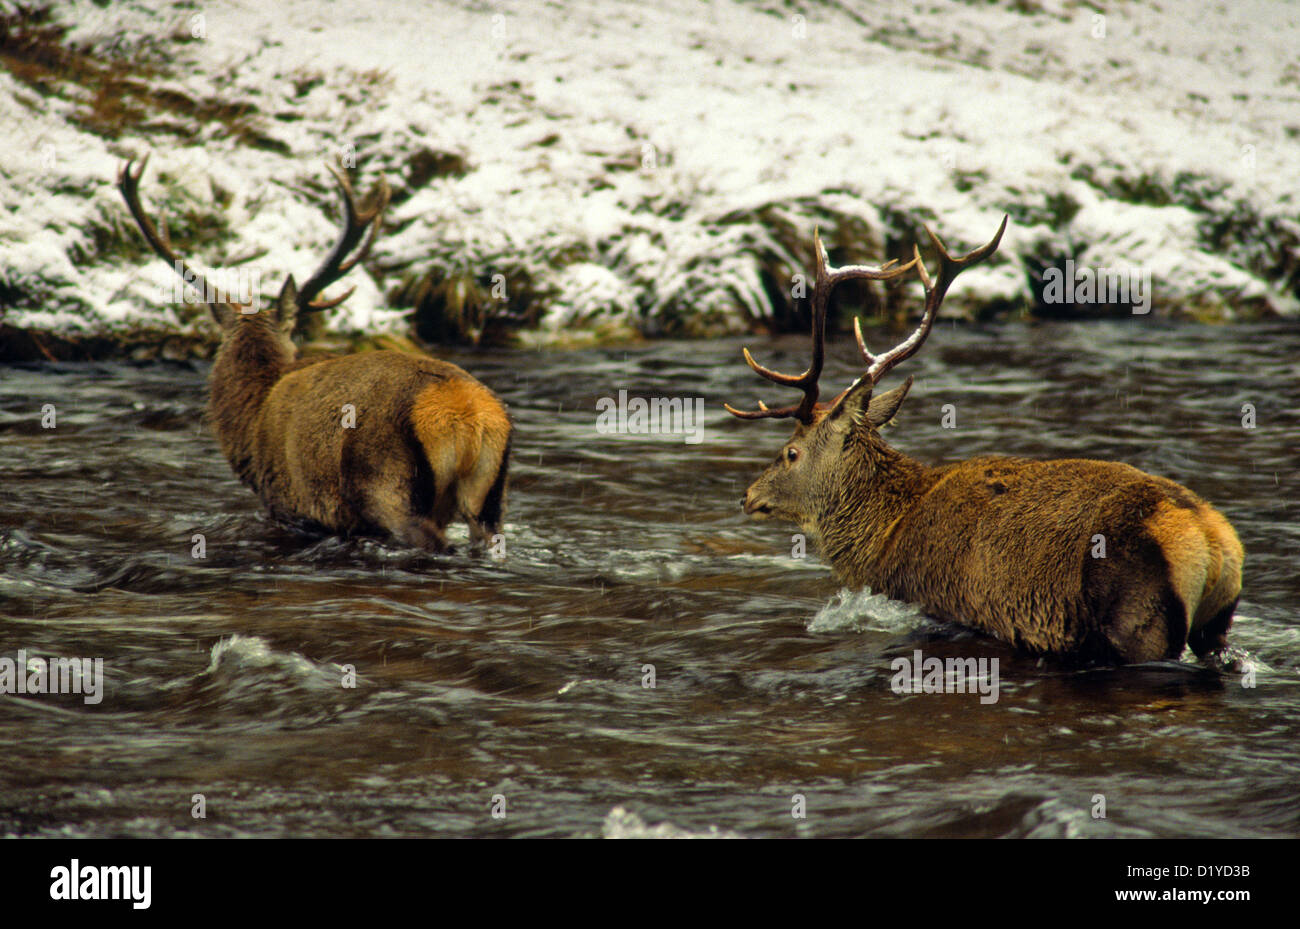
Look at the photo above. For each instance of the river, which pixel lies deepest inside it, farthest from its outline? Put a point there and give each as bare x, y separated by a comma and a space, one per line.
512, 696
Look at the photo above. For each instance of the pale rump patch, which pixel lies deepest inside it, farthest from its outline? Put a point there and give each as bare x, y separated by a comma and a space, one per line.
464, 430
1226, 588
1204, 558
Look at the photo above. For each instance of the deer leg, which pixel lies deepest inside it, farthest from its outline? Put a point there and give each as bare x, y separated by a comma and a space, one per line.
1213, 635
481, 496
422, 532
397, 520
1148, 622
480, 531
388, 505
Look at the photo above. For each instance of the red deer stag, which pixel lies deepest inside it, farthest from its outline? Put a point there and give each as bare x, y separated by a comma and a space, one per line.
376, 443
1005, 545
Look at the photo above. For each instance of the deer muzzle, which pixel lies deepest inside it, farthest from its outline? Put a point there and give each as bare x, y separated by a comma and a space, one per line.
754, 506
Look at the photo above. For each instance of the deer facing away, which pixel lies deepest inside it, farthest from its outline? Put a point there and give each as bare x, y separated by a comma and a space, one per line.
377, 443
1004, 545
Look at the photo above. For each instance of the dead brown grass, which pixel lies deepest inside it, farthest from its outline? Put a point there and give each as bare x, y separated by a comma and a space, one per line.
115, 91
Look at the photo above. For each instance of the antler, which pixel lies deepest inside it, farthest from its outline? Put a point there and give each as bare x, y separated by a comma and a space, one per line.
827, 279
355, 224
128, 182
949, 267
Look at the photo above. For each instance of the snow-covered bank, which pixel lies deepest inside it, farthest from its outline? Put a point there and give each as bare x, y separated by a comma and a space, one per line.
657, 168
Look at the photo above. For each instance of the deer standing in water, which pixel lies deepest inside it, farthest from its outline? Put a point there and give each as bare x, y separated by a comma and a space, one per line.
1004, 545
377, 443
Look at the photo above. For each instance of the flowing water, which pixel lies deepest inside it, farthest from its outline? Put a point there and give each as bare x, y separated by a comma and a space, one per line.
519, 686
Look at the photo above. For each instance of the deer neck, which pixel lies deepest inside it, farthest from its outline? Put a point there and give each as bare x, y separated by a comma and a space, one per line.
249, 363
861, 510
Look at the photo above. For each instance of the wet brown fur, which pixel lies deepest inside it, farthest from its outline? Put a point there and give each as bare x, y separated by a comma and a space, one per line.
378, 443
430, 442
1005, 545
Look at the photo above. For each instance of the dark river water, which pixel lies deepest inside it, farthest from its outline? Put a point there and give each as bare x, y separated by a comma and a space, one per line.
509, 697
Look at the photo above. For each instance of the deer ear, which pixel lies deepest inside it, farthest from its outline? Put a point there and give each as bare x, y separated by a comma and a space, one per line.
848, 411
883, 408
286, 305
858, 405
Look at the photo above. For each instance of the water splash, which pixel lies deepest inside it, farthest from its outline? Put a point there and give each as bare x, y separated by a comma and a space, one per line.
862, 611
624, 824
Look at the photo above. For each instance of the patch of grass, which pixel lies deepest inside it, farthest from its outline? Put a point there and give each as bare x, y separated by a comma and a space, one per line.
457, 305
785, 249
195, 226
1185, 189
19, 293
1268, 247
1056, 211
965, 181
112, 90
425, 165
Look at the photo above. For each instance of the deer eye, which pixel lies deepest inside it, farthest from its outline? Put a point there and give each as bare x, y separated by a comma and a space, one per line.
791, 454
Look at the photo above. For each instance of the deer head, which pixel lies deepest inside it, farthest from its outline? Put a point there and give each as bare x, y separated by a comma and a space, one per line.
831, 468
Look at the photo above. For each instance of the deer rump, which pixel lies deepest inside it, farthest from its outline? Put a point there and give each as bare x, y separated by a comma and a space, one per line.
372, 444
1093, 559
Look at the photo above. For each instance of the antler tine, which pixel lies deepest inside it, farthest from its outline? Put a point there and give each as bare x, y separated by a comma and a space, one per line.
128, 182
949, 267
357, 225
370, 219
807, 382
886, 272
763, 412
826, 280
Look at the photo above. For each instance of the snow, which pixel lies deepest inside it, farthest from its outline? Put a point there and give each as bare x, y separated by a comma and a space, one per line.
629, 160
